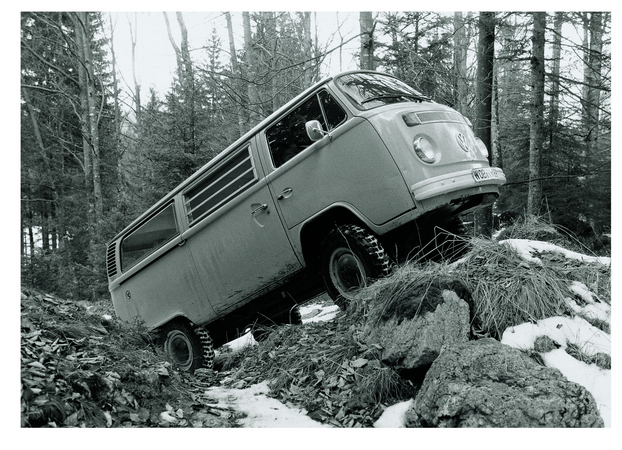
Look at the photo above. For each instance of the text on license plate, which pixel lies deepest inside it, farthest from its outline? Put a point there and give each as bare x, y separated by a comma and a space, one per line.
480, 175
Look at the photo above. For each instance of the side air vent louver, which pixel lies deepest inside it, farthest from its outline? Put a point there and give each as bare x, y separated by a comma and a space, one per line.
111, 261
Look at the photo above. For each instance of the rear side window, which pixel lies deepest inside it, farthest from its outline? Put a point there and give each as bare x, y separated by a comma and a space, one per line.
222, 184
148, 237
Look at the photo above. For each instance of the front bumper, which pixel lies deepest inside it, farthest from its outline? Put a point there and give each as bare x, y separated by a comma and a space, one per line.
458, 181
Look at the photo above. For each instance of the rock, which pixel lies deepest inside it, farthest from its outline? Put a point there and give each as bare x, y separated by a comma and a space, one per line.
416, 342
488, 384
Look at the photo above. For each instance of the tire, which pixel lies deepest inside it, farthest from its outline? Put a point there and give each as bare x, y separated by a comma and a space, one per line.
188, 349
350, 257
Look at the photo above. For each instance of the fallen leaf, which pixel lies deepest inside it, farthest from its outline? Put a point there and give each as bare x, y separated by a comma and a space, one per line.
72, 420
143, 414
37, 364
166, 417
359, 362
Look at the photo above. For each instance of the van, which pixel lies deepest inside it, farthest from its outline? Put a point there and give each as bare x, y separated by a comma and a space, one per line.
356, 173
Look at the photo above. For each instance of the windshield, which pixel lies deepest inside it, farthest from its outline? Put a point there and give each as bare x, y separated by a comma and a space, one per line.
371, 90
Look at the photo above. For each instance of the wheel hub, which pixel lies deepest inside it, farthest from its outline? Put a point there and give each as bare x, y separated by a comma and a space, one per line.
180, 349
347, 272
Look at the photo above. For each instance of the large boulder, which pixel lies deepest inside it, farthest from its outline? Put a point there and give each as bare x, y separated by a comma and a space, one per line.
409, 343
488, 384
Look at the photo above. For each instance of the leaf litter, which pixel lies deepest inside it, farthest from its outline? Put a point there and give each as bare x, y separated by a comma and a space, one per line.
81, 368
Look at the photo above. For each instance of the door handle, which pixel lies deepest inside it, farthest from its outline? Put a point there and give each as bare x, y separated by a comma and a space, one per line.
259, 209
285, 194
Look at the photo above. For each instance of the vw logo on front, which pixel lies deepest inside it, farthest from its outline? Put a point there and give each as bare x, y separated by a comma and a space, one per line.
462, 141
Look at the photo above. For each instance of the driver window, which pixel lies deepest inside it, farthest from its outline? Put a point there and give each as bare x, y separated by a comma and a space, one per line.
288, 137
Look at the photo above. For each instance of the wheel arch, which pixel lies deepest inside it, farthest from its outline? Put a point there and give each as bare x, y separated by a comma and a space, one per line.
179, 318
317, 228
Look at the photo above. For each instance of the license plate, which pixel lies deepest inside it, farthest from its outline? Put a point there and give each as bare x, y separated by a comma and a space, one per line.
485, 174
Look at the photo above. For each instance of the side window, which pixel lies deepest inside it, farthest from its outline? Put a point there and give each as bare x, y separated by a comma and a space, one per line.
335, 116
288, 136
220, 185
148, 237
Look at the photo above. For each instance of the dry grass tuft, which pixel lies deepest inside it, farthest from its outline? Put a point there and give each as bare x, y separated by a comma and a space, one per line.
531, 227
507, 290
602, 360
411, 290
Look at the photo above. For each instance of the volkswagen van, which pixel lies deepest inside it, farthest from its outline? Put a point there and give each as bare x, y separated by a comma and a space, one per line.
356, 173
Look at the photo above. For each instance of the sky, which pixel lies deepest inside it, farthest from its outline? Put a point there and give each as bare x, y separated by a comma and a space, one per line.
155, 57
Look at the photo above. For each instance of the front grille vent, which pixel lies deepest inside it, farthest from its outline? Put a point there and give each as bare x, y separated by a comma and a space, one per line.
439, 116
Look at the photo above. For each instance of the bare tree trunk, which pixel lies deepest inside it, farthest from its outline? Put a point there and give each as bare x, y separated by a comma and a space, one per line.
185, 73
307, 44
93, 118
340, 43
594, 80
271, 35
84, 124
188, 83
555, 82
367, 41
534, 196
496, 150
172, 41
90, 113
117, 109
460, 62
137, 104
253, 97
46, 206
585, 94
115, 87
483, 121
235, 67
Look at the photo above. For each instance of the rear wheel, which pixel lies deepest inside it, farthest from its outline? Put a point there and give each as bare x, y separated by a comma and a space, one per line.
350, 257
188, 349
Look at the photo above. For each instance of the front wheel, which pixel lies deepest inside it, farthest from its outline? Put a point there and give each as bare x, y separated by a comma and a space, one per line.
349, 257
188, 349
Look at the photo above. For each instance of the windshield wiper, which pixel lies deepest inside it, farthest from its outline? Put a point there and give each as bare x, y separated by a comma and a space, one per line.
419, 98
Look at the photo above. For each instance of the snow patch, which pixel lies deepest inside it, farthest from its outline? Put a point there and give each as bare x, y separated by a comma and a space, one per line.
589, 339
526, 247
262, 411
326, 312
393, 416
594, 308
242, 341
590, 376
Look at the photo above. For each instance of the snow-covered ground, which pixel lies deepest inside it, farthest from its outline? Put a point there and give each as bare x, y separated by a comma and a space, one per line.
265, 412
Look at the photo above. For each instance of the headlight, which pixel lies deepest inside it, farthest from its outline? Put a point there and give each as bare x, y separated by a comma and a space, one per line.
482, 147
425, 150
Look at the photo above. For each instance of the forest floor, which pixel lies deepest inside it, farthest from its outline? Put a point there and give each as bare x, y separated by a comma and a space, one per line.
82, 368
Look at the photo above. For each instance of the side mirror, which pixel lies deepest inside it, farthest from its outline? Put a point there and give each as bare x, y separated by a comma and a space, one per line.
314, 130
